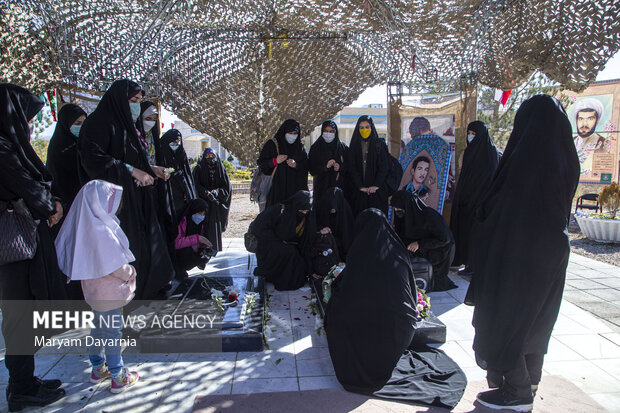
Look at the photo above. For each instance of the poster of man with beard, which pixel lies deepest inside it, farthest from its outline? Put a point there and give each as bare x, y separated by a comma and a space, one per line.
597, 148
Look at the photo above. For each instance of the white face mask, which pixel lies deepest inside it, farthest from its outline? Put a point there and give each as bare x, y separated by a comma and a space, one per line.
470, 138
290, 138
148, 125
329, 136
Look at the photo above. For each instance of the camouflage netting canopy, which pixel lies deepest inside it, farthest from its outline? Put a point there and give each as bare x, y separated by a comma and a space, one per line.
236, 69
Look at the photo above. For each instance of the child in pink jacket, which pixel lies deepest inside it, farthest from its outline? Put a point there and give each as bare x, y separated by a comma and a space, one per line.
92, 248
193, 249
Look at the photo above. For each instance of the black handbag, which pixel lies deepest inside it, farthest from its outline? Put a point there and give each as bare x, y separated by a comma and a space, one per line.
18, 232
250, 240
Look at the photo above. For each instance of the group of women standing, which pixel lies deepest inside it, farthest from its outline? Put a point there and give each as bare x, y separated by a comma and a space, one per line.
361, 170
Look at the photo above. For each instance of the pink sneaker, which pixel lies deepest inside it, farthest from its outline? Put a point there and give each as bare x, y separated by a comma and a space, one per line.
125, 379
99, 374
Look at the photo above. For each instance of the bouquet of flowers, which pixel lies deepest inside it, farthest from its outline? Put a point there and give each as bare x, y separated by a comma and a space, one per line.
423, 304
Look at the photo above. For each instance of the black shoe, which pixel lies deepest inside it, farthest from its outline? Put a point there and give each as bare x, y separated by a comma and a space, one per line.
498, 399
48, 384
43, 397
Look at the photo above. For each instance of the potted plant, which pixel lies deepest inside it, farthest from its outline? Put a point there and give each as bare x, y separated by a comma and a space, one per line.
605, 226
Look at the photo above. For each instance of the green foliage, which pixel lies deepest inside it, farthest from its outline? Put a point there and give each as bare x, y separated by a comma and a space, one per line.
230, 158
500, 121
230, 168
239, 175
40, 147
610, 198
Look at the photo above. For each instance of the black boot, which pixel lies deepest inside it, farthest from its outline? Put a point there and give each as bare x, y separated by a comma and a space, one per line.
40, 397
49, 384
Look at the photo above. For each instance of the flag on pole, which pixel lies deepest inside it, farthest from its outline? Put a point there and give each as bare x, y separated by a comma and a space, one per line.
502, 96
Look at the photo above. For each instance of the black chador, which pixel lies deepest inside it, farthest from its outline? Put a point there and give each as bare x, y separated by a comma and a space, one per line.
522, 245
368, 166
109, 146
480, 161
370, 322
417, 223
334, 212
213, 185
285, 236
326, 162
288, 179
62, 156
179, 189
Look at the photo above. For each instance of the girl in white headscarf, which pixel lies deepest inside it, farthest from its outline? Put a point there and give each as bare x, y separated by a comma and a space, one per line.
92, 247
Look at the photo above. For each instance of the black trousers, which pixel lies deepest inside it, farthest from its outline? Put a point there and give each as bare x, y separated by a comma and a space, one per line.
187, 259
518, 381
17, 303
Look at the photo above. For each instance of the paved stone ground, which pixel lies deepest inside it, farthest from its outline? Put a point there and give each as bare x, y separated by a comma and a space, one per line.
584, 349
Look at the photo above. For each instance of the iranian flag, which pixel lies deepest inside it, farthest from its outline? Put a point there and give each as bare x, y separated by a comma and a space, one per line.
502, 96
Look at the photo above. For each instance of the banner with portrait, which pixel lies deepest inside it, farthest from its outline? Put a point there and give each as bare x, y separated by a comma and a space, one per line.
427, 158
594, 137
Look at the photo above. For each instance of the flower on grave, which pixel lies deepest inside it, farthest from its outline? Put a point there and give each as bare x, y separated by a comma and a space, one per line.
216, 293
423, 304
232, 298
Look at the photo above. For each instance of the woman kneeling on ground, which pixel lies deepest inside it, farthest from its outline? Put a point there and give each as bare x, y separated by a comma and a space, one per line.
284, 233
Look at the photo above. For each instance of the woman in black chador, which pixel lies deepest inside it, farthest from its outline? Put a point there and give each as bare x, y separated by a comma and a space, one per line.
213, 185
370, 322
23, 176
326, 161
285, 234
180, 186
368, 166
287, 153
111, 148
426, 235
522, 252
480, 161
62, 155
333, 215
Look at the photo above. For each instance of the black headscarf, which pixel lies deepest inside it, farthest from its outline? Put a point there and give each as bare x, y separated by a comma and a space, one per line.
18, 107
333, 211
521, 240
480, 161
110, 129
155, 131
286, 180
62, 155
320, 153
194, 206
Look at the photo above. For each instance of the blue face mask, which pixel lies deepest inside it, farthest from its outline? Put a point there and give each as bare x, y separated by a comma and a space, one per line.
75, 130
135, 110
197, 218
174, 147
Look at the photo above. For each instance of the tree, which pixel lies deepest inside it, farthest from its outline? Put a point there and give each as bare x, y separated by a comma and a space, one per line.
500, 121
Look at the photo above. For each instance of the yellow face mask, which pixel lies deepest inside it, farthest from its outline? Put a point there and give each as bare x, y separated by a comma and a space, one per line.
365, 133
